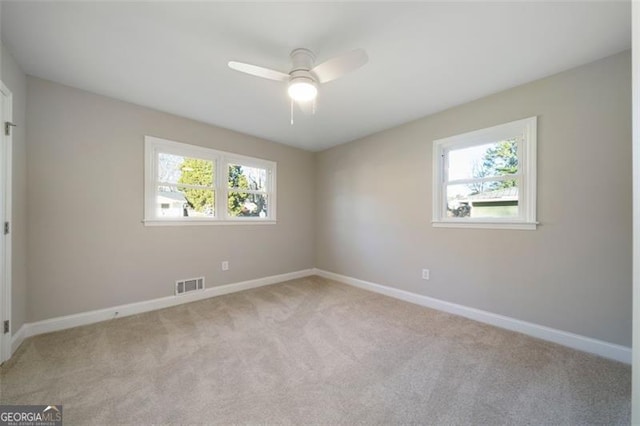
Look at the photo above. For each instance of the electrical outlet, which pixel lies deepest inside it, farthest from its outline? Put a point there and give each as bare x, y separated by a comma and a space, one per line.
225, 265
425, 274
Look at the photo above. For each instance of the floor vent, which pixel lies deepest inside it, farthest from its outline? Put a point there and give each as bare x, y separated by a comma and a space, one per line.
191, 284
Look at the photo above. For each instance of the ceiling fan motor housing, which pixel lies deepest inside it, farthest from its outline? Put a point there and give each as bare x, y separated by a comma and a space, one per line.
303, 85
302, 59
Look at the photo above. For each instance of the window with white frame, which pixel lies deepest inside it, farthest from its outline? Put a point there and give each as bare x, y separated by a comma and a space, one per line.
188, 184
486, 178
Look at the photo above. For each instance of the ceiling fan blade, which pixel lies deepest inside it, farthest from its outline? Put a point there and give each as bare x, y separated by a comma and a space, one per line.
340, 65
258, 71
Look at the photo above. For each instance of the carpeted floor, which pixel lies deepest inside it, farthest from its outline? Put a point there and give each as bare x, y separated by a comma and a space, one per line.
311, 351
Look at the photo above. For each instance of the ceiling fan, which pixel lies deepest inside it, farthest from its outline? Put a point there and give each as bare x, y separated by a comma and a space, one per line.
304, 77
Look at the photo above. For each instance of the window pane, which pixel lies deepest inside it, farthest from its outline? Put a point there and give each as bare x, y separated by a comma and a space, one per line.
489, 160
191, 171
173, 201
241, 204
243, 177
495, 199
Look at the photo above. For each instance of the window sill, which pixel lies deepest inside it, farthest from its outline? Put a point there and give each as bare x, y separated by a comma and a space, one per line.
206, 222
526, 226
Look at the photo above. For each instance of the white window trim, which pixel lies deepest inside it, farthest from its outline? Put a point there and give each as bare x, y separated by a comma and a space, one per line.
527, 148
221, 159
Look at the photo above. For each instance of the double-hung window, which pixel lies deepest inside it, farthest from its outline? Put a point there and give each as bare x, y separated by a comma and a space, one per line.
187, 184
486, 178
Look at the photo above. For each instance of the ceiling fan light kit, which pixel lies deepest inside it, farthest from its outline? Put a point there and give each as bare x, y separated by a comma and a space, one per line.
303, 78
302, 89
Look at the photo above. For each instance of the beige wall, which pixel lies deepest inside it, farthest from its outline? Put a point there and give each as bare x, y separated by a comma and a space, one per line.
13, 77
87, 246
573, 273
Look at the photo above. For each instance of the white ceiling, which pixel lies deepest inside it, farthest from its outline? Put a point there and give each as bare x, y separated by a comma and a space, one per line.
424, 57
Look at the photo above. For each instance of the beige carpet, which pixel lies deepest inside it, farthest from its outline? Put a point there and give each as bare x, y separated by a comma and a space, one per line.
311, 351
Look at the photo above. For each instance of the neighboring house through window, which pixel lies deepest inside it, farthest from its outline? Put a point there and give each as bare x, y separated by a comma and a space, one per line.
486, 178
188, 184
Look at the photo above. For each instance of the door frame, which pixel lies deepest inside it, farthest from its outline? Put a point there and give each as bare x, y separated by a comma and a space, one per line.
6, 148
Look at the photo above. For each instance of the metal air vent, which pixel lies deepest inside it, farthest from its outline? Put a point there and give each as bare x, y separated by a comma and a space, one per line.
189, 284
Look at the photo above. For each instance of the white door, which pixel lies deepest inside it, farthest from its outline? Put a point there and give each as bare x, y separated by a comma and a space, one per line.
5, 218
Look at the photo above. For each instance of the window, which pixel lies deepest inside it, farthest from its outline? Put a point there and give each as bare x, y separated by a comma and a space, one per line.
187, 184
486, 178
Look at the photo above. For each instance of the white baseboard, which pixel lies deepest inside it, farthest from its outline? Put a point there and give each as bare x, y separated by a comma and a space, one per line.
18, 338
85, 318
575, 341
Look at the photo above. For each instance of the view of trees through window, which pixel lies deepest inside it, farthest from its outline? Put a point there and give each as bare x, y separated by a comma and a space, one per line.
246, 187
499, 159
187, 188
477, 180
195, 171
